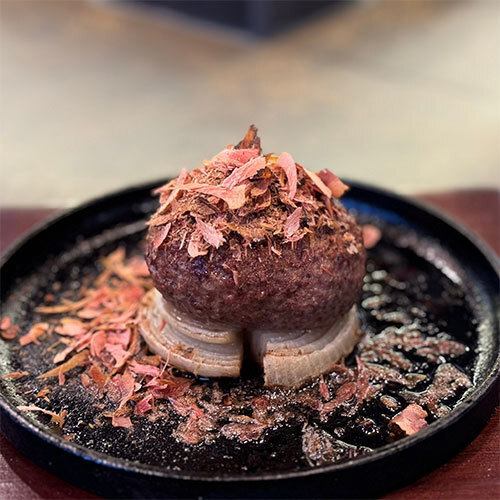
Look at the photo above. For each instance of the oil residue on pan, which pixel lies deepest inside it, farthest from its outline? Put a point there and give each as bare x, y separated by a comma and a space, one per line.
420, 348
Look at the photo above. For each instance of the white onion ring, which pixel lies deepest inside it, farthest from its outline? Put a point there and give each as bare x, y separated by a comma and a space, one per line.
291, 362
288, 358
188, 345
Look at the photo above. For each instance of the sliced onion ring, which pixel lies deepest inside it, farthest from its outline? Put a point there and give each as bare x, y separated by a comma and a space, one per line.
288, 358
292, 361
188, 345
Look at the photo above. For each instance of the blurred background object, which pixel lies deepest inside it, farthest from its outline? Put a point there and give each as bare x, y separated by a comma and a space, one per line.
99, 95
261, 17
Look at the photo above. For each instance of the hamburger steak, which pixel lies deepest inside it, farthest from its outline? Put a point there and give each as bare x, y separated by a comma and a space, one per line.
311, 284
256, 245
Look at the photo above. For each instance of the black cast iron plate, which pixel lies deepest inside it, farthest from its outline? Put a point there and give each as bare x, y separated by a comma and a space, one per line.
68, 246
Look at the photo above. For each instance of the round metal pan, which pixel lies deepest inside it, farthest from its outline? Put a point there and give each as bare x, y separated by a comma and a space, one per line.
112, 217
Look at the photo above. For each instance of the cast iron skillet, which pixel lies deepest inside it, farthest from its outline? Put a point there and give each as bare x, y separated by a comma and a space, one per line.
114, 216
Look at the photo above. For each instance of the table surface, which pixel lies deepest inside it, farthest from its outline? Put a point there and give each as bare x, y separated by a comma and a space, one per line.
401, 94
473, 473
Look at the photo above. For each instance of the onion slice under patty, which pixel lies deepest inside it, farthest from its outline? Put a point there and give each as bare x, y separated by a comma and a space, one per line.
288, 358
291, 361
203, 350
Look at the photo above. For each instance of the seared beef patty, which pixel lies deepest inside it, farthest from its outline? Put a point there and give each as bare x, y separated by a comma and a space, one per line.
311, 284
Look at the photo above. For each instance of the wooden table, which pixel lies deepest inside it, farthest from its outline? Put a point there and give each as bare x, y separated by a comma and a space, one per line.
473, 473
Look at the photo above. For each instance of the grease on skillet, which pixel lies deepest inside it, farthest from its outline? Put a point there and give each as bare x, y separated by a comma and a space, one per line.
432, 367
